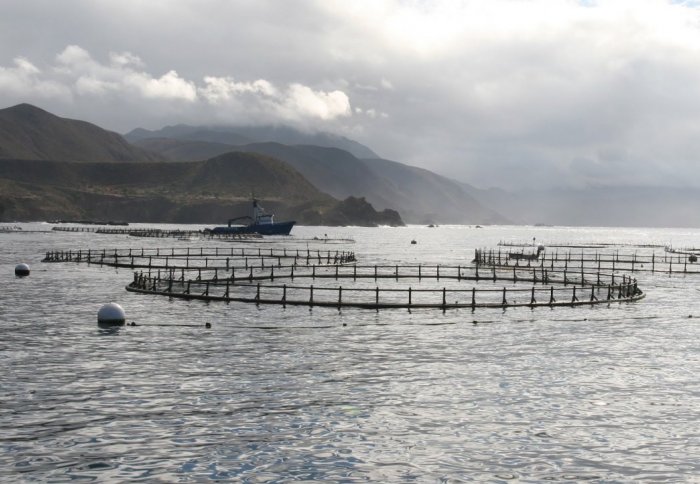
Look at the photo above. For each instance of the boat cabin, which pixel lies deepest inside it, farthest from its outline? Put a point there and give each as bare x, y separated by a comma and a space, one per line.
259, 215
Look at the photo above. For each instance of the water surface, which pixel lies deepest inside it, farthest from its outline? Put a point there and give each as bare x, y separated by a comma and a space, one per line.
280, 394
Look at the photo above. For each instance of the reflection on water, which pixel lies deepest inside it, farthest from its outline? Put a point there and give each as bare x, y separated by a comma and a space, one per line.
271, 393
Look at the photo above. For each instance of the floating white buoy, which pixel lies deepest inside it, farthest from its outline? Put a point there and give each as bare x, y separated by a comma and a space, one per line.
111, 314
22, 270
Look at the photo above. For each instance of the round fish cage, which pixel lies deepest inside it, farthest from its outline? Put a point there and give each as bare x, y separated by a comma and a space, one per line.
281, 276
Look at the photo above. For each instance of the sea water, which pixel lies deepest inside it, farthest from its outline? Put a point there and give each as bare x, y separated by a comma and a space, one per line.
604, 393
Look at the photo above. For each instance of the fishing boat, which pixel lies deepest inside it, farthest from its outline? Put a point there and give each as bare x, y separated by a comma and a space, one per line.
260, 223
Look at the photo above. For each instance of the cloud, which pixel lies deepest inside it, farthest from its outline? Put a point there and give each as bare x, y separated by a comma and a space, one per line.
168, 86
261, 100
218, 89
24, 79
512, 93
323, 105
86, 76
77, 74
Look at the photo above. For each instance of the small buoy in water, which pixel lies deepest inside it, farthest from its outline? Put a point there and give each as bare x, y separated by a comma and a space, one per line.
22, 270
414, 241
693, 258
111, 314
207, 325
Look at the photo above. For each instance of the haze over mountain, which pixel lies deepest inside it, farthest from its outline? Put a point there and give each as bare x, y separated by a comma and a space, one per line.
419, 195
28, 132
422, 196
621, 206
241, 135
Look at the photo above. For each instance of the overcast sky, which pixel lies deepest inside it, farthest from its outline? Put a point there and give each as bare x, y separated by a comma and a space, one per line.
507, 93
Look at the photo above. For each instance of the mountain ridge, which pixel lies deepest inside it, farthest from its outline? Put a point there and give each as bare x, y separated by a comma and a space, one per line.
29, 132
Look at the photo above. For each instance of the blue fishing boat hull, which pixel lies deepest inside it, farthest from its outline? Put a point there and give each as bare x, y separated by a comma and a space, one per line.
276, 228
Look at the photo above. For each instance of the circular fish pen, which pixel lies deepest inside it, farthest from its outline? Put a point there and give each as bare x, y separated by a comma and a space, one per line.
297, 277
157, 233
569, 260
